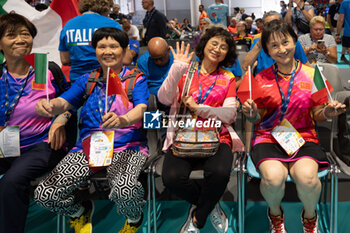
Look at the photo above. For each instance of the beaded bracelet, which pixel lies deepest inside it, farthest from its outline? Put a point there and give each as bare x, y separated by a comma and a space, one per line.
254, 119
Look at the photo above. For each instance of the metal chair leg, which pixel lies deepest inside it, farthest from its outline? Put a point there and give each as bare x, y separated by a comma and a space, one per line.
61, 224
149, 202
154, 202
241, 196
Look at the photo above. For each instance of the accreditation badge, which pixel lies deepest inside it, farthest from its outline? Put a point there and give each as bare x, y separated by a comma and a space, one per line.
288, 137
100, 145
10, 141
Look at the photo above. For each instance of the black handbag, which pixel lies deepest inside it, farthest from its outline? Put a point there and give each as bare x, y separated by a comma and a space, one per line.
302, 24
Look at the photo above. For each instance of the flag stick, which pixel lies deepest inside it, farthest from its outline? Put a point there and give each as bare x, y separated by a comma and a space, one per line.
47, 79
108, 70
250, 88
323, 79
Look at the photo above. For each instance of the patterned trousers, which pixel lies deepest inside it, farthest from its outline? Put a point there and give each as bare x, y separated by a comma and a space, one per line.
57, 191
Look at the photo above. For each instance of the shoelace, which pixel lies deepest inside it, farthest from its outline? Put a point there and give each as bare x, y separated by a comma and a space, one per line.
309, 224
277, 223
75, 223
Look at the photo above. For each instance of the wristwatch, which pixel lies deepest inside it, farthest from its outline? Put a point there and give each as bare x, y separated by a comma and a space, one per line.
303, 8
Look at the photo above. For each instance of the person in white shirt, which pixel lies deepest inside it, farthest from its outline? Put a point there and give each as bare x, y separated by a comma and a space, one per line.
130, 30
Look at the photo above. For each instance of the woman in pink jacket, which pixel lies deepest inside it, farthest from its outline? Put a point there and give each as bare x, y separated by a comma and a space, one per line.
212, 95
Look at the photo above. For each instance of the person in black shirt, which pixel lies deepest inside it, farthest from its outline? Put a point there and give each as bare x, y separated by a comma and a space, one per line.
154, 22
332, 19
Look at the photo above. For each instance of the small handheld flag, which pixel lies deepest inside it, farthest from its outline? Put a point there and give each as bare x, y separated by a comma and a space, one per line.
320, 87
249, 88
114, 87
40, 64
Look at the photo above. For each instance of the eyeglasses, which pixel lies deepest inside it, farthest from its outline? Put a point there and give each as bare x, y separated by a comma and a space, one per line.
222, 47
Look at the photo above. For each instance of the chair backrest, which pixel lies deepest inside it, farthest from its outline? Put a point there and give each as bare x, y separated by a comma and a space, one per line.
340, 134
331, 73
242, 49
154, 137
241, 56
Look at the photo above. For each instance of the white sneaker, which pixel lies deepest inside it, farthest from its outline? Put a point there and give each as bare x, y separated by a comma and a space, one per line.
219, 219
276, 223
310, 225
189, 226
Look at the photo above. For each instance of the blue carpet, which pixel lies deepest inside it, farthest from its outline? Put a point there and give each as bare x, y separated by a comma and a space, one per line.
174, 213
341, 64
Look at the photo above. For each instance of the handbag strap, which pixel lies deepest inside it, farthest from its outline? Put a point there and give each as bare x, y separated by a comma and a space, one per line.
187, 85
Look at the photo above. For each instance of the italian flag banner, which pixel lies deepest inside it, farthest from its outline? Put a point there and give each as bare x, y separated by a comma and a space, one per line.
41, 66
48, 22
321, 88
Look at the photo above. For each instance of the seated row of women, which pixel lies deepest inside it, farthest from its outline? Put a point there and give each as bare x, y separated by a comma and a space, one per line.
112, 138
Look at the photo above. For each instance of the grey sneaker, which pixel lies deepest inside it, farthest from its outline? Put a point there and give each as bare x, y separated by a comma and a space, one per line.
189, 226
219, 219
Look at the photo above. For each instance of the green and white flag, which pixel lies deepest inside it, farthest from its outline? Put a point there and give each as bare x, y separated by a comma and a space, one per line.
48, 22
41, 66
321, 88
1, 58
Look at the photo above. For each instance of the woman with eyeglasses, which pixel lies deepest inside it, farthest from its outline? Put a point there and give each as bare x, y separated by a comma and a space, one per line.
212, 95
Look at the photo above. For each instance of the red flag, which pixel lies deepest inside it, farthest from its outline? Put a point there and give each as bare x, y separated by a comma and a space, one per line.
115, 87
243, 90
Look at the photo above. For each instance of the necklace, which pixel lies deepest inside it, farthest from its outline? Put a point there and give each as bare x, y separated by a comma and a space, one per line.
285, 74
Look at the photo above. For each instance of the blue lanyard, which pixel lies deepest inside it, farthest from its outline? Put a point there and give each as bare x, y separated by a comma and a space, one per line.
200, 98
285, 100
10, 106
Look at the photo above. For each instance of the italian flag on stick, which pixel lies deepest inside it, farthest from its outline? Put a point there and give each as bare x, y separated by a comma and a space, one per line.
41, 66
320, 87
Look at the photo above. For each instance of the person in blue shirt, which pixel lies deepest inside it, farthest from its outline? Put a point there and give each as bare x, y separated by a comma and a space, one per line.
100, 114
256, 52
156, 63
75, 38
132, 53
219, 13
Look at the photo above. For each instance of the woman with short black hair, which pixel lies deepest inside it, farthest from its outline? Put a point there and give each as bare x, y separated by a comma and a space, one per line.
33, 142
58, 191
287, 102
212, 95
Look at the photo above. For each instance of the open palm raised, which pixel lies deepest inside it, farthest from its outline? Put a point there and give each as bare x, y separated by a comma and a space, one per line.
182, 54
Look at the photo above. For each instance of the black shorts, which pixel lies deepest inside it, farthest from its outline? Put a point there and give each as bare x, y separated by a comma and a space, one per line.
345, 42
273, 151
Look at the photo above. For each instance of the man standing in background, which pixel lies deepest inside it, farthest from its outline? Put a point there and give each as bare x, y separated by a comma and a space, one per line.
154, 22
344, 15
332, 18
203, 14
218, 13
